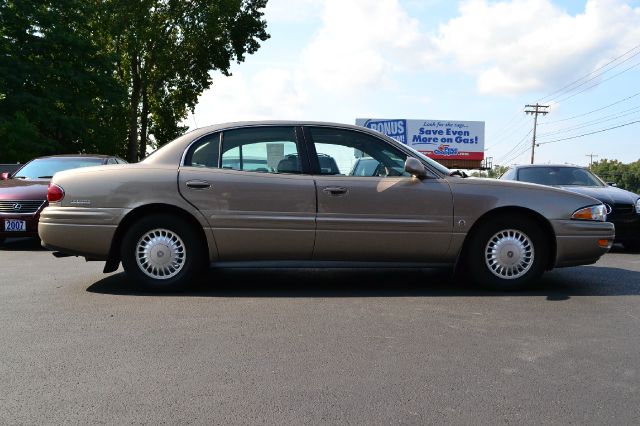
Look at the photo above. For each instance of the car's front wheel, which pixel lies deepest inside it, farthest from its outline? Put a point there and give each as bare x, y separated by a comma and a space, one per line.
507, 253
162, 252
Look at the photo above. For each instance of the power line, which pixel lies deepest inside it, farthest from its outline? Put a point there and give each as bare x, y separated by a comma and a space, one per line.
590, 133
516, 146
506, 125
505, 137
598, 83
567, 89
546, 123
593, 72
593, 122
513, 157
598, 76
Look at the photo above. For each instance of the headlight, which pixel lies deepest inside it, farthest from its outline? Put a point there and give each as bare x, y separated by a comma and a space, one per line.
598, 213
638, 206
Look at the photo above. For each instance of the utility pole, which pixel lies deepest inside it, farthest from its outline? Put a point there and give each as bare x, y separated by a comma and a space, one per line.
591, 159
538, 109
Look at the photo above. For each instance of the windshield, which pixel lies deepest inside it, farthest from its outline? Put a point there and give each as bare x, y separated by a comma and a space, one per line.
442, 169
45, 168
559, 176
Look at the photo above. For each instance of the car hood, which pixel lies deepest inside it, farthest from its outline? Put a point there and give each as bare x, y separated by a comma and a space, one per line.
606, 194
505, 183
19, 189
474, 197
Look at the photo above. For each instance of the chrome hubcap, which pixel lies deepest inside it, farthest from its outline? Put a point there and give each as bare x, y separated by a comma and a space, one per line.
509, 254
160, 254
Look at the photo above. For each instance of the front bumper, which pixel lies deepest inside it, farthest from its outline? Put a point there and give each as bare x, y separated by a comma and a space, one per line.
628, 229
79, 231
31, 225
581, 242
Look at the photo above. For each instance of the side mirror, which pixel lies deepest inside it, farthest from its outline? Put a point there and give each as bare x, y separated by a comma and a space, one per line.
4, 175
415, 167
611, 184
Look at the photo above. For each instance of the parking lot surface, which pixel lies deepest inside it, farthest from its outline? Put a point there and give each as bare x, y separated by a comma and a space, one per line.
316, 346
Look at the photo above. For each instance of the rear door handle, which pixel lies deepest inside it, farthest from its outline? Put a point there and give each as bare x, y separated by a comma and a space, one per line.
335, 190
198, 184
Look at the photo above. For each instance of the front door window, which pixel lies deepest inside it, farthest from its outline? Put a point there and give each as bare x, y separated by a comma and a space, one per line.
349, 153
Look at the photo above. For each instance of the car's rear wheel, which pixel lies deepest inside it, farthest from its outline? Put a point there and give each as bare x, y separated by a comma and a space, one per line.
507, 253
161, 253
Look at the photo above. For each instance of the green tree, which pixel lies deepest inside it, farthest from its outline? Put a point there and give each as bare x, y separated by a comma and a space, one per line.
167, 51
58, 93
625, 176
493, 173
497, 171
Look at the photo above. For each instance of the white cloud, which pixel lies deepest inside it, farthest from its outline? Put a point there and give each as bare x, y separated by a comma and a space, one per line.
359, 45
520, 45
269, 94
288, 11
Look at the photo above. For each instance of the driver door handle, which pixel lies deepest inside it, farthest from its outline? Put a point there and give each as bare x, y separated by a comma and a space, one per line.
335, 190
198, 184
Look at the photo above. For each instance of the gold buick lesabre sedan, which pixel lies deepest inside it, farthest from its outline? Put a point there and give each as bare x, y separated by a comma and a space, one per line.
312, 194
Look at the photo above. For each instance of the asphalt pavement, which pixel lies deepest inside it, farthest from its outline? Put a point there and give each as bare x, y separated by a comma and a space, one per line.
316, 347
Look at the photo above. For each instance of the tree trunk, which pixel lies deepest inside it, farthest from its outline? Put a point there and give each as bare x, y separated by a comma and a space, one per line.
144, 121
132, 143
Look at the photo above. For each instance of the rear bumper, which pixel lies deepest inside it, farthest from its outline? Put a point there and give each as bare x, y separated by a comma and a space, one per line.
581, 242
93, 241
79, 231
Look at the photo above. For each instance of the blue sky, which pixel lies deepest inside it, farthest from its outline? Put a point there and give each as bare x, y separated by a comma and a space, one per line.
336, 60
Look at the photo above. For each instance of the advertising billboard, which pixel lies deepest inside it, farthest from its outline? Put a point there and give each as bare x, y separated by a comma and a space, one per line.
438, 139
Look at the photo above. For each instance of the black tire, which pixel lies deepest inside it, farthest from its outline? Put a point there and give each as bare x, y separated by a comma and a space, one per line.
515, 239
160, 232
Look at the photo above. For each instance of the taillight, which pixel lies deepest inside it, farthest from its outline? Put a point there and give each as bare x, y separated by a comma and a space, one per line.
55, 193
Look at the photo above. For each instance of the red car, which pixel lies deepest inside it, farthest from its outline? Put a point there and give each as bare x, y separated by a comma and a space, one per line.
23, 194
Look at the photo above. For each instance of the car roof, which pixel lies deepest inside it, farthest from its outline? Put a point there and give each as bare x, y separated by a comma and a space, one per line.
103, 156
200, 131
232, 124
522, 166
172, 152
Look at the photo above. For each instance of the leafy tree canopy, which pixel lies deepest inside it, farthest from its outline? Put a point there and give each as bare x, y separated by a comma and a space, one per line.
167, 50
111, 76
495, 172
57, 91
625, 176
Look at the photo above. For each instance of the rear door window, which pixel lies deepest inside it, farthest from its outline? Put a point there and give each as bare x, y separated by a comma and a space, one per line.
261, 150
